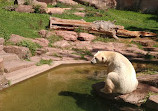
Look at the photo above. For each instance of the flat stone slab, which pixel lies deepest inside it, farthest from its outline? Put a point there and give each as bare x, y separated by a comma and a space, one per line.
149, 79
26, 73
8, 56
137, 97
14, 65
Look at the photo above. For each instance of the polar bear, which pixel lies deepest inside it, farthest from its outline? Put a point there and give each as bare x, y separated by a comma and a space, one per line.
121, 76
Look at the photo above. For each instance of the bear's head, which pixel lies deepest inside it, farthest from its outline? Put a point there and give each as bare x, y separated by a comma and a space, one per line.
99, 57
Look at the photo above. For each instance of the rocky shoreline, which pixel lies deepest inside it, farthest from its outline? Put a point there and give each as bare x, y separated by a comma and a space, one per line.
75, 48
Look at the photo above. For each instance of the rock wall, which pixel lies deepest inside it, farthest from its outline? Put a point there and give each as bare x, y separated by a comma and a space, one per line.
145, 6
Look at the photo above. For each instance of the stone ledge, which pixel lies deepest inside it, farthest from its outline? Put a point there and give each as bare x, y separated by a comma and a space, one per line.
26, 73
137, 97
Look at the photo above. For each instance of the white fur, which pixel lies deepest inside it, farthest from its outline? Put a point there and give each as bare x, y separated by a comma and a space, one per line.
121, 76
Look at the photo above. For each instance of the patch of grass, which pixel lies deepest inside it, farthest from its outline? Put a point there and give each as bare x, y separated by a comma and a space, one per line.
104, 39
9, 43
156, 45
80, 29
29, 44
82, 53
24, 24
149, 71
9, 82
54, 38
42, 61
57, 55
138, 44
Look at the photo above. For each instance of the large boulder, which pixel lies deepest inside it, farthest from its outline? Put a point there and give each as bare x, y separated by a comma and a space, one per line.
16, 38
24, 8
22, 52
67, 35
42, 6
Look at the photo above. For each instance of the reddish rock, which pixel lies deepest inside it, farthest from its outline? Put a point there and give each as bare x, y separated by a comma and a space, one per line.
67, 35
69, 2
1, 66
35, 58
41, 41
14, 65
40, 51
149, 79
86, 37
1, 47
62, 44
3, 82
136, 50
145, 42
80, 9
2, 41
16, 38
152, 102
154, 49
50, 33
24, 8
43, 33
43, 6
81, 14
154, 54
82, 45
22, 52
57, 10
136, 97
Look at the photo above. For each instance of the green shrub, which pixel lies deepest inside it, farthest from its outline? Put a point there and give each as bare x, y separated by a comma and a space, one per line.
29, 44
38, 9
42, 61
54, 38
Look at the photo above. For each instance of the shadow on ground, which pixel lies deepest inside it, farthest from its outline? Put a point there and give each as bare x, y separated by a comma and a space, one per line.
155, 18
91, 102
155, 30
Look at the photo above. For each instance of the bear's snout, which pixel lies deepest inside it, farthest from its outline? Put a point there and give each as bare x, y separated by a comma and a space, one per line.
93, 61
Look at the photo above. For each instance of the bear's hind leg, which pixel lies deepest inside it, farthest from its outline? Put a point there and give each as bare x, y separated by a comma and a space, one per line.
110, 83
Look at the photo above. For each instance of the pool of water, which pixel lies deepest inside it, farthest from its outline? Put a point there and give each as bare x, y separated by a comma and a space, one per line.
65, 88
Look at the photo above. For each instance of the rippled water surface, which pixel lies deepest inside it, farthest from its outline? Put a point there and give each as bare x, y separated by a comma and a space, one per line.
65, 88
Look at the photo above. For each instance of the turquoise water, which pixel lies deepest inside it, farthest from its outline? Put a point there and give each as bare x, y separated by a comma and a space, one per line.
65, 88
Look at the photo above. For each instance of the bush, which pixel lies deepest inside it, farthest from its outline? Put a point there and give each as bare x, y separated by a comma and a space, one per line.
39, 9
42, 61
29, 44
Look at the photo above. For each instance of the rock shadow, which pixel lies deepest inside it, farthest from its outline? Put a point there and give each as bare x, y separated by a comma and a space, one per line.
142, 29
90, 102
